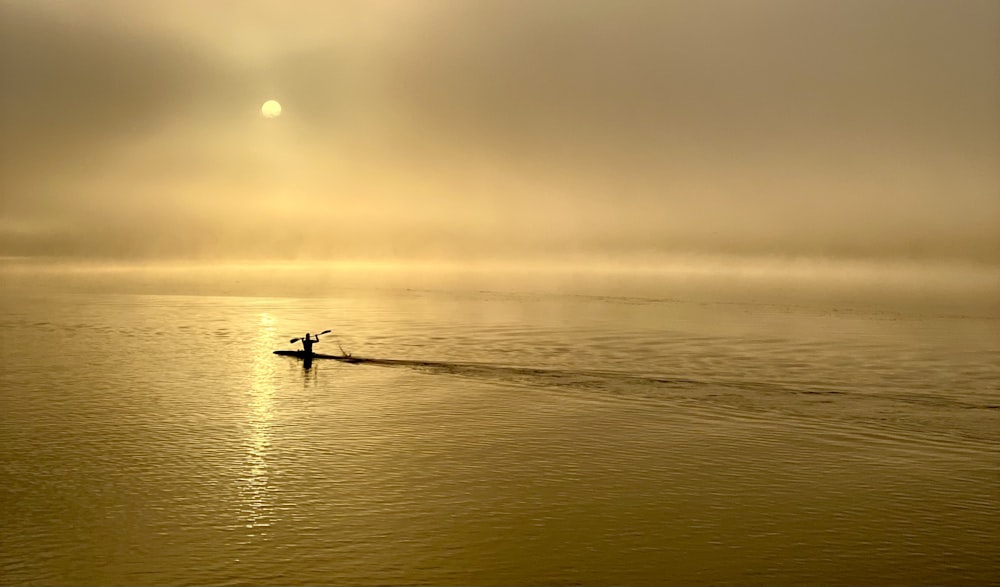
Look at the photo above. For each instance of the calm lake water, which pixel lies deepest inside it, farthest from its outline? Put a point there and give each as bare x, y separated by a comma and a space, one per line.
519, 438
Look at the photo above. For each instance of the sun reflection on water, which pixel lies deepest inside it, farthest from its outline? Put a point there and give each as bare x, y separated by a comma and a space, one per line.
255, 491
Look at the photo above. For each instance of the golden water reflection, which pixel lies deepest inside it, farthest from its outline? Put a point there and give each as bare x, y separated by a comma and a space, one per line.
256, 505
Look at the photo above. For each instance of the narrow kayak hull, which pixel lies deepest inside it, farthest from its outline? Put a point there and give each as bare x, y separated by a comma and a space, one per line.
310, 356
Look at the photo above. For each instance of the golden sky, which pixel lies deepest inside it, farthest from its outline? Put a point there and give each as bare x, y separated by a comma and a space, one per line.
512, 129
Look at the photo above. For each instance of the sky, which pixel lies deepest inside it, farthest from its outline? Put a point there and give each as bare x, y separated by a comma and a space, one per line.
500, 129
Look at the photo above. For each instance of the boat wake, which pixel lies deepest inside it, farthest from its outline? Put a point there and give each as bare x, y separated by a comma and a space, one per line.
747, 398
537, 375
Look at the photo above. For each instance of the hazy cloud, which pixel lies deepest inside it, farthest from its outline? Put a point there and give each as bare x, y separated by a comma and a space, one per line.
487, 129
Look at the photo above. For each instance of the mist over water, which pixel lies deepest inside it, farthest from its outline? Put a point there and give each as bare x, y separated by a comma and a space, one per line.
954, 288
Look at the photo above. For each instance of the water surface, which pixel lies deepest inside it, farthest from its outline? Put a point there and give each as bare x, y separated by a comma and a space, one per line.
498, 438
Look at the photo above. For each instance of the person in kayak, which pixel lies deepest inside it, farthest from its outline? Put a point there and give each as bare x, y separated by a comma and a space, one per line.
307, 342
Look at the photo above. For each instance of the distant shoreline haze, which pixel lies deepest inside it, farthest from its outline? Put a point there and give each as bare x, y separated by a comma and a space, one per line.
955, 288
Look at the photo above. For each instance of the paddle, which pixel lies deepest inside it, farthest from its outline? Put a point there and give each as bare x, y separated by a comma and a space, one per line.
295, 340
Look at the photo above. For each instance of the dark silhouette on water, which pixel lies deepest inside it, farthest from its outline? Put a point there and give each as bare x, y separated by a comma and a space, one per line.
306, 354
307, 343
344, 358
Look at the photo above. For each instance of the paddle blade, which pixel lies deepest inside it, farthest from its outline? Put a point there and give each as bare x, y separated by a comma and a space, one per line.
294, 340
326, 332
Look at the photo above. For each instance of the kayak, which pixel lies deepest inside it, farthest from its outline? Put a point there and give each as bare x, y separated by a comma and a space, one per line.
302, 355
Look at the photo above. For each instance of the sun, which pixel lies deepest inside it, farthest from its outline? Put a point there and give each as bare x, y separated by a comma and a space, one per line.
271, 109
